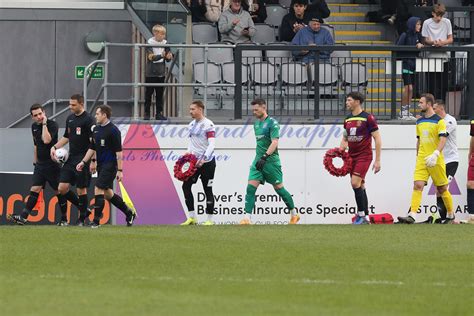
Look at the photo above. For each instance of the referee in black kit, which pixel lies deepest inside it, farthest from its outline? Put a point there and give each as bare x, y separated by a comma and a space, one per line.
106, 146
45, 134
78, 134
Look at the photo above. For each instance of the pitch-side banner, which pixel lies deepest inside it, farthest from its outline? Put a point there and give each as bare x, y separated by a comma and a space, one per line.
150, 152
14, 190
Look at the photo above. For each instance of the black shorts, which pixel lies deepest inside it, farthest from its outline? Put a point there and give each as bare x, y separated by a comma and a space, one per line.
206, 172
106, 177
408, 79
70, 175
451, 168
48, 172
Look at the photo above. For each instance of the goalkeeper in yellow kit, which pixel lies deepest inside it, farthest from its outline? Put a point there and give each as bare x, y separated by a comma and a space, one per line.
431, 134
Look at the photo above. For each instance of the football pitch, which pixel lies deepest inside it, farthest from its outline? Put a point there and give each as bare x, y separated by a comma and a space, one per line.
235, 270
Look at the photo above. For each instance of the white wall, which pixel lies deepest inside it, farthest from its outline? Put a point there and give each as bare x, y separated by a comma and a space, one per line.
330, 199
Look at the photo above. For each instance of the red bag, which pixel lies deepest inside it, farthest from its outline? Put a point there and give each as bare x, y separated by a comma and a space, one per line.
384, 218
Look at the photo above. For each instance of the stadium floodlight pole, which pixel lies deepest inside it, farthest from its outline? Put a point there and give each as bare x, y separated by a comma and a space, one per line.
136, 86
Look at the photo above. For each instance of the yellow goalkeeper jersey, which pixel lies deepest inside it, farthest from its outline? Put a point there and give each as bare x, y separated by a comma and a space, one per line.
428, 131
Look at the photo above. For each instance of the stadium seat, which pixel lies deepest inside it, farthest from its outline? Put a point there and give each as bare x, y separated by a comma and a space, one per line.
264, 78
251, 56
328, 78
228, 76
294, 78
354, 75
285, 3
330, 28
220, 55
264, 34
339, 57
277, 57
275, 14
176, 33
198, 54
461, 25
214, 75
204, 33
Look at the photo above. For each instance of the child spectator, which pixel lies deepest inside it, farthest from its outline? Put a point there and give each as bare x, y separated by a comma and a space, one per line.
412, 37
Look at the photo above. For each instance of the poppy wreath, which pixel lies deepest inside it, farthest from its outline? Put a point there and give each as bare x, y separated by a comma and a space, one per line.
328, 162
185, 167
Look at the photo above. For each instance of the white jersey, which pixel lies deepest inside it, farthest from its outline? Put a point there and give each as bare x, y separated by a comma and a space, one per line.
158, 51
450, 150
199, 134
437, 31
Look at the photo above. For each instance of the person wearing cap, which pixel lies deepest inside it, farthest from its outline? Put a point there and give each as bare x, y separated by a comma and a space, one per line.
294, 21
313, 34
235, 24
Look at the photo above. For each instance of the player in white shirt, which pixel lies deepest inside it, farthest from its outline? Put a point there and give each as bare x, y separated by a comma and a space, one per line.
201, 144
450, 152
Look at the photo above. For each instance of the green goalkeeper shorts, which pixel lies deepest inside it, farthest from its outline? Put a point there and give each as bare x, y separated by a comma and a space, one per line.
271, 173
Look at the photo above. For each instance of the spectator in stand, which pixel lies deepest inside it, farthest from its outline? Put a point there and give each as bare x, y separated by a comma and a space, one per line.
319, 8
412, 37
294, 21
235, 24
257, 10
198, 10
156, 71
438, 32
313, 34
213, 10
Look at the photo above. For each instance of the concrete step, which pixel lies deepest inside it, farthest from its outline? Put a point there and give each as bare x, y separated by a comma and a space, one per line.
358, 26
349, 7
362, 42
375, 81
358, 35
339, 1
346, 17
370, 53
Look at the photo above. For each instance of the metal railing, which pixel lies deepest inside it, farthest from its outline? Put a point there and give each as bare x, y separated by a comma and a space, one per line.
137, 84
291, 89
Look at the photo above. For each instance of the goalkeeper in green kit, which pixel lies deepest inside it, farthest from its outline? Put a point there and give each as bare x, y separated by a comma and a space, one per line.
266, 166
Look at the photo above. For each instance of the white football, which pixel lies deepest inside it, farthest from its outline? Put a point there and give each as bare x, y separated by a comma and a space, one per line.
62, 154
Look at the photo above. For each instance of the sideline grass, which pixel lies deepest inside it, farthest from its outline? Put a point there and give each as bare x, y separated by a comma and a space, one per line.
232, 270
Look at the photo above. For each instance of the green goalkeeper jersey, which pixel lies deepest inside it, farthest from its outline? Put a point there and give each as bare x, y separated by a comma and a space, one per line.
265, 131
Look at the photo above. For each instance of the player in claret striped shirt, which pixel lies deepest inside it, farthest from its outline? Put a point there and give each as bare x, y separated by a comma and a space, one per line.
359, 129
201, 144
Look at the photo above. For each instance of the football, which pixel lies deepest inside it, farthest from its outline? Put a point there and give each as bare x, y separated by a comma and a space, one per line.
62, 155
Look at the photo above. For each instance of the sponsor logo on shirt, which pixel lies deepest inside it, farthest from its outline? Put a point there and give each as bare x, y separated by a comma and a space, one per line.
78, 131
102, 142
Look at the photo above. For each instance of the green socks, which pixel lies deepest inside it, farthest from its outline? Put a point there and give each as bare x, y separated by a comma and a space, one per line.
286, 196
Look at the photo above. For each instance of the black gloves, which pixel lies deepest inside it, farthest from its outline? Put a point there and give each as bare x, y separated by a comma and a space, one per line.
261, 162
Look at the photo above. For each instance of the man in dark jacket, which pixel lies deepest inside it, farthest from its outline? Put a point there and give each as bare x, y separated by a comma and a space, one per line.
319, 8
313, 34
412, 37
294, 21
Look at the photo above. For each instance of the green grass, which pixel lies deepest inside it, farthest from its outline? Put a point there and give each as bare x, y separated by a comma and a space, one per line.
232, 270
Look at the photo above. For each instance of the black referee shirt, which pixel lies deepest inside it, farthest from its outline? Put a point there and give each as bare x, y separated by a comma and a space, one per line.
79, 131
42, 149
107, 141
